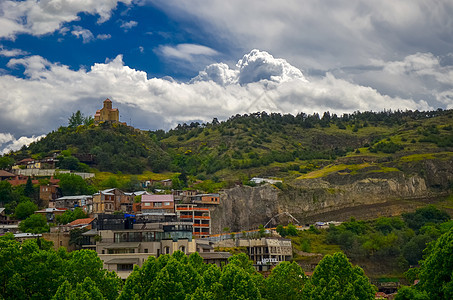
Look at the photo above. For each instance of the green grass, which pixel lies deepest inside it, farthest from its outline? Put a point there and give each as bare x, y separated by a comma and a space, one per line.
333, 168
385, 170
102, 176
317, 242
424, 156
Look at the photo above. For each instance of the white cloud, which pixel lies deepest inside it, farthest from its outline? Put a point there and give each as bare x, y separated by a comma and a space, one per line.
103, 36
13, 144
46, 16
11, 52
52, 92
186, 51
85, 34
322, 35
253, 67
5, 138
126, 26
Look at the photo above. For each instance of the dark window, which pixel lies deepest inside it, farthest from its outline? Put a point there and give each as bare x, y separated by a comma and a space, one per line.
125, 267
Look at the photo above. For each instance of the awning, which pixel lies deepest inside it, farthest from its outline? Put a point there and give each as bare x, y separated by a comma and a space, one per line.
90, 232
122, 261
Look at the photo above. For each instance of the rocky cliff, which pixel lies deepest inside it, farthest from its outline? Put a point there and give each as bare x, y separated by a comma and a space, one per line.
368, 193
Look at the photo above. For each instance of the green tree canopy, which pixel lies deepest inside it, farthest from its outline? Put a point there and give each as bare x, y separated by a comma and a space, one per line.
25, 209
78, 118
436, 271
30, 272
286, 281
425, 215
34, 224
71, 185
69, 216
29, 190
336, 278
6, 162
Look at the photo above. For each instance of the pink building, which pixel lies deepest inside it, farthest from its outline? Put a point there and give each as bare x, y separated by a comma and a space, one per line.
158, 204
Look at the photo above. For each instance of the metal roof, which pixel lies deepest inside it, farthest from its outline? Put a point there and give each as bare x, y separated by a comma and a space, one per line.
122, 261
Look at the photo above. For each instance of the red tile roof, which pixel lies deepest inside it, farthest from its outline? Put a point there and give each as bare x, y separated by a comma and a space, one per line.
78, 222
6, 174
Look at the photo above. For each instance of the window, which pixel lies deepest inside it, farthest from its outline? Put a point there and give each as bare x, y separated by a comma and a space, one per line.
146, 250
166, 250
157, 204
124, 267
147, 204
166, 203
148, 236
183, 249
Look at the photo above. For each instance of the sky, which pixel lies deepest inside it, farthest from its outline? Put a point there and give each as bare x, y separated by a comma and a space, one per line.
164, 62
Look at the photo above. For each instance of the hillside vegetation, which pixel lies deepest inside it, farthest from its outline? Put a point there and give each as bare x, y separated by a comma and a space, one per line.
260, 144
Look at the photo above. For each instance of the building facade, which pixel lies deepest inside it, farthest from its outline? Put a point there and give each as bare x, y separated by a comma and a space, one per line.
265, 252
199, 217
107, 113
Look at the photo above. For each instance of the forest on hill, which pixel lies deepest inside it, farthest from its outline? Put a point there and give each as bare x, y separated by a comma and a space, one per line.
260, 144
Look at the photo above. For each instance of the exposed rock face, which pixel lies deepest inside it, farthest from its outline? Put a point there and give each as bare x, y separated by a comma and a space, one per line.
244, 207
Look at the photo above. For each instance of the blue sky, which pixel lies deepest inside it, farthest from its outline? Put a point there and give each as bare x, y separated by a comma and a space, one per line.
168, 62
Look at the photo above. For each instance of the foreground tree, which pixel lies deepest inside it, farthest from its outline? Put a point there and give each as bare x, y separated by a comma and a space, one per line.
335, 278
28, 271
436, 271
167, 277
286, 281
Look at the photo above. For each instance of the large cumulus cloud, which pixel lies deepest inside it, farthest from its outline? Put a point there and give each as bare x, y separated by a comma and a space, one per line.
51, 92
253, 67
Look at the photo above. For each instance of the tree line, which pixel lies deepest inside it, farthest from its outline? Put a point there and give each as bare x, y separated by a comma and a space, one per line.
33, 270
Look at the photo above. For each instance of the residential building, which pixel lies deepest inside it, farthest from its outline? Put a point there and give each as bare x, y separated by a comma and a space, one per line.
85, 223
4, 175
20, 237
123, 241
49, 193
59, 239
7, 224
107, 113
184, 196
199, 217
70, 202
265, 252
51, 213
157, 204
112, 200
206, 199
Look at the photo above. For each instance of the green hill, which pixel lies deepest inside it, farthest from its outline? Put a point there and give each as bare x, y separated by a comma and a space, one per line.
259, 144
107, 147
